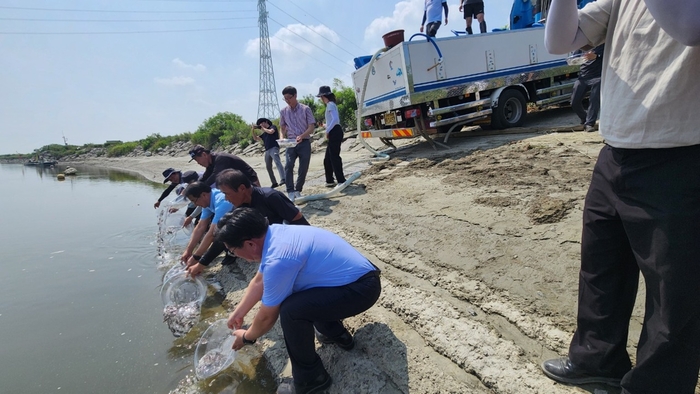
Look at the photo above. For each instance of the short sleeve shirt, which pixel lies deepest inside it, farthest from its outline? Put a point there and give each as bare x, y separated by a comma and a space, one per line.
218, 207
297, 258
272, 204
222, 161
650, 81
270, 140
433, 10
296, 119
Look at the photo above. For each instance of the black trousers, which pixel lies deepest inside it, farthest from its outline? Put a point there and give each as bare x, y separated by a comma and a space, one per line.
323, 308
332, 162
642, 214
588, 117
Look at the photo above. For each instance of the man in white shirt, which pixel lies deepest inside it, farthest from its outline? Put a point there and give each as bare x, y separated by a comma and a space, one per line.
642, 210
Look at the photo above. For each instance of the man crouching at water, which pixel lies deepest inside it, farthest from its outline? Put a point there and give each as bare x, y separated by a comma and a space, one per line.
214, 206
238, 190
309, 277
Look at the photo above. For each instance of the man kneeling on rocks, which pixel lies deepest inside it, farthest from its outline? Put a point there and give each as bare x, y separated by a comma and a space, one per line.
309, 278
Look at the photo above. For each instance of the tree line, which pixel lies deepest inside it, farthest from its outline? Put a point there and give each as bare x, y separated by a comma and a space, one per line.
221, 130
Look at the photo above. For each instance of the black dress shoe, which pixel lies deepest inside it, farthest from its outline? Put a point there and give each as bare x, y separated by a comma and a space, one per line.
317, 385
563, 371
345, 341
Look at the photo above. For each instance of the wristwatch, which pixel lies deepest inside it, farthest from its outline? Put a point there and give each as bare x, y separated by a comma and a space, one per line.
246, 341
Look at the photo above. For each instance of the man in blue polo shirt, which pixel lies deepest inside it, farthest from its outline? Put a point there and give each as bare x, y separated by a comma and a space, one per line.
308, 278
214, 206
240, 192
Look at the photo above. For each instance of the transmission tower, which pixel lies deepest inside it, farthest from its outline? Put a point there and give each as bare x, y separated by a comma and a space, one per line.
268, 106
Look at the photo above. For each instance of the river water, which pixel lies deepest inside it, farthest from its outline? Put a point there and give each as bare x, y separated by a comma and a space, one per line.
80, 309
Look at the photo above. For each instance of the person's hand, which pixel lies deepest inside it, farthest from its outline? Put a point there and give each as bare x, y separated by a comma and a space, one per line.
187, 221
185, 256
173, 210
421, 28
235, 320
298, 139
190, 262
195, 269
238, 342
590, 55
156, 205
461, 8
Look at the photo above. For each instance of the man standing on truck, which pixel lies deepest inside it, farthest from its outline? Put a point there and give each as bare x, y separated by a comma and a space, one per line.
642, 209
473, 8
588, 77
433, 15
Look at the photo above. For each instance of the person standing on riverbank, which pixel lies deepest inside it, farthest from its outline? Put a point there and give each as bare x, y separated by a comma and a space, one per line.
588, 78
238, 190
332, 162
214, 163
309, 278
297, 122
269, 136
642, 210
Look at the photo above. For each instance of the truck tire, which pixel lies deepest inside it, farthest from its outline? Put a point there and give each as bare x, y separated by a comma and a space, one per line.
511, 110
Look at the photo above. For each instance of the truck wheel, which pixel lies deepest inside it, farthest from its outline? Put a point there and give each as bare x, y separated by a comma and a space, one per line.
511, 110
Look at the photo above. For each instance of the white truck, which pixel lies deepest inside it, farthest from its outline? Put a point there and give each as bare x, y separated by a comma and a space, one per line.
432, 88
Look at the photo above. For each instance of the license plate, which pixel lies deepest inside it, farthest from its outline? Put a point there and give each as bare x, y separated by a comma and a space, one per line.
390, 118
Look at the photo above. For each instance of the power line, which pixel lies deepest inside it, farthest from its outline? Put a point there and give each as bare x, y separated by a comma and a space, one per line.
126, 32
303, 38
118, 11
316, 19
313, 57
319, 34
121, 20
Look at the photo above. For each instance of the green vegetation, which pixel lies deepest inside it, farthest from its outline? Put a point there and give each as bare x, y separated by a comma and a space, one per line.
221, 130
121, 149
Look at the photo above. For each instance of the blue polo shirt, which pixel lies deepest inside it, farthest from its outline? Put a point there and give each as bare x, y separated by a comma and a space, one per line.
218, 206
297, 258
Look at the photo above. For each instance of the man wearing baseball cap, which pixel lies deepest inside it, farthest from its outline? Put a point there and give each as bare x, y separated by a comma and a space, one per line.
219, 161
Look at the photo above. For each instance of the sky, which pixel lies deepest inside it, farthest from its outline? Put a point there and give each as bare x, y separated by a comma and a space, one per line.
99, 70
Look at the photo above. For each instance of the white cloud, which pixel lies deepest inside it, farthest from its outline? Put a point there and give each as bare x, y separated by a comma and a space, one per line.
175, 81
287, 43
407, 15
196, 67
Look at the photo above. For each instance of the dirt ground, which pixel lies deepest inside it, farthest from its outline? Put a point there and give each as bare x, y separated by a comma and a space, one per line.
479, 250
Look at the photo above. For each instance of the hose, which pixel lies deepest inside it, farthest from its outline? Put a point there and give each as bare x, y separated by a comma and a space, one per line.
339, 188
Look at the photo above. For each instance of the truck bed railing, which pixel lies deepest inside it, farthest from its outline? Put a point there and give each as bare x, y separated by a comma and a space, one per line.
459, 107
461, 118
